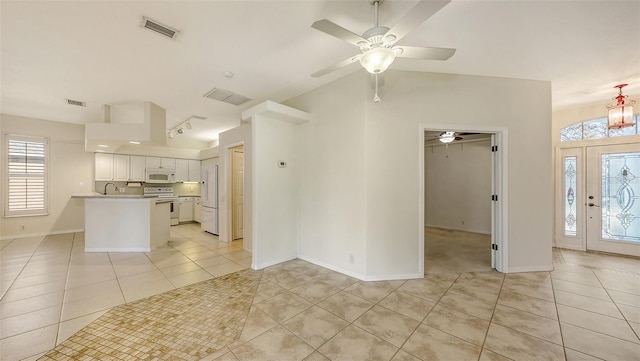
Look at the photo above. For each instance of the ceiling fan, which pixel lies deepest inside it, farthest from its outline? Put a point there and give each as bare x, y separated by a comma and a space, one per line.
378, 44
448, 137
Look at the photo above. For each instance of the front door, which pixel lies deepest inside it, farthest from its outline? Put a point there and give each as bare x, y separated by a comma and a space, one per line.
613, 199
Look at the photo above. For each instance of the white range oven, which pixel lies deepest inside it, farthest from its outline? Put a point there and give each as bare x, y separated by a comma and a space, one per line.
166, 193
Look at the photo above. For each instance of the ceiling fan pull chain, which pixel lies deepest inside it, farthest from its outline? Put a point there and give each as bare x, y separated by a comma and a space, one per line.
376, 98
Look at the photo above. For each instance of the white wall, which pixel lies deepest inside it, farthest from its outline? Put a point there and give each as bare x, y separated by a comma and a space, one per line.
70, 171
360, 182
275, 216
458, 186
331, 177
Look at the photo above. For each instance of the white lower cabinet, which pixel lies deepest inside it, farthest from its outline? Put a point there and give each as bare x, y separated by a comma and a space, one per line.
185, 209
197, 210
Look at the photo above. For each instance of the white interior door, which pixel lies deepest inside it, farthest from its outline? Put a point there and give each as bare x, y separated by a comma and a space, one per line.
237, 185
613, 199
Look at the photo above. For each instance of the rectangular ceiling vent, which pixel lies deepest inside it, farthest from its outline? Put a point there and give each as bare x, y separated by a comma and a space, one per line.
76, 103
159, 28
227, 96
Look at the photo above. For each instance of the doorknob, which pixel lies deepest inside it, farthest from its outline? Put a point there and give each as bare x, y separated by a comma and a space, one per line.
593, 205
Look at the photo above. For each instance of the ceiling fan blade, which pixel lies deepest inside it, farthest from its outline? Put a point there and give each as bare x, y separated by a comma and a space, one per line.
335, 30
414, 52
336, 66
416, 16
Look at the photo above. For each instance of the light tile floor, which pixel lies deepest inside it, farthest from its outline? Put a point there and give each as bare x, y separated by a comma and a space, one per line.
588, 308
51, 289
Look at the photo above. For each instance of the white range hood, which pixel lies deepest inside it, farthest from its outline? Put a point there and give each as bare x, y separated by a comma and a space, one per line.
143, 122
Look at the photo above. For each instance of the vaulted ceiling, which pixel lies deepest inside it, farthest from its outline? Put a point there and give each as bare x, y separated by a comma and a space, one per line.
98, 52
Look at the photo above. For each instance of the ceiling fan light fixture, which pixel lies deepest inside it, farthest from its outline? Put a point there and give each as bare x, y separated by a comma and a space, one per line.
621, 110
447, 137
377, 60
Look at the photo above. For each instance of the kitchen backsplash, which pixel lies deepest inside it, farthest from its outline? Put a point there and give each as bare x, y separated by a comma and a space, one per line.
179, 189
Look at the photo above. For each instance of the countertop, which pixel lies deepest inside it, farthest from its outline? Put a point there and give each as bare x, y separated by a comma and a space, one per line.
112, 196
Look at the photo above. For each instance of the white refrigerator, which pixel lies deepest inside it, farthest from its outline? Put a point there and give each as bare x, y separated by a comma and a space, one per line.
209, 197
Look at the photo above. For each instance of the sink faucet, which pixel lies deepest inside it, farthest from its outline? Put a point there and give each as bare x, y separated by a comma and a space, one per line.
105, 187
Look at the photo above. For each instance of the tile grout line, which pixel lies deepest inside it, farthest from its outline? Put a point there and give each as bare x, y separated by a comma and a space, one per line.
64, 290
486, 334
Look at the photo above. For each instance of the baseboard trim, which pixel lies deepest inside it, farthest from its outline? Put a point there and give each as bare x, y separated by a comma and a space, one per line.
457, 229
359, 276
408, 276
545, 268
40, 234
117, 250
571, 247
332, 267
260, 266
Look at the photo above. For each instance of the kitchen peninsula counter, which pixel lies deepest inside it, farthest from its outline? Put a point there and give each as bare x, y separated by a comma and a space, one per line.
124, 223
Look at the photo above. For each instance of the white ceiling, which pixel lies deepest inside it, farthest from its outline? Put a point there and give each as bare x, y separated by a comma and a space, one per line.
97, 52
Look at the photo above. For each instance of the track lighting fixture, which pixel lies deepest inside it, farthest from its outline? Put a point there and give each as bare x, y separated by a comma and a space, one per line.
185, 125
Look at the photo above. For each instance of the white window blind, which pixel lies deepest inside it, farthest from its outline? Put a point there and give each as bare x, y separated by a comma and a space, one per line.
26, 175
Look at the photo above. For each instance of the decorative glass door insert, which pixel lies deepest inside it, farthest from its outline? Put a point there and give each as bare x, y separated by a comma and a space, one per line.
621, 196
570, 187
613, 199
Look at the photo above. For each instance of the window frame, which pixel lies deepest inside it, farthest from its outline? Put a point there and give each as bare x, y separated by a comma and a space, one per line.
5, 175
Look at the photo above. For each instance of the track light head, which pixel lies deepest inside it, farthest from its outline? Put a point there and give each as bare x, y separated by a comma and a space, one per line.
180, 130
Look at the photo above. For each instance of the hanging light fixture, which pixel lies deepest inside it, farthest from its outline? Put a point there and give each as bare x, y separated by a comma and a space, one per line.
377, 60
447, 137
621, 110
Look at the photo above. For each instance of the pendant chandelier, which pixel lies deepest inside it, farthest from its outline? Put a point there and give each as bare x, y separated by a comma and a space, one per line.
621, 110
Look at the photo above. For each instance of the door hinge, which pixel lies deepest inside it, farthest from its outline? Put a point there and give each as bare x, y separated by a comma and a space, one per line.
494, 197
494, 148
494, 247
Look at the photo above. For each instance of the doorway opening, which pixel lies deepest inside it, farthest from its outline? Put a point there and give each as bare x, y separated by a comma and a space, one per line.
237, 192
463, 201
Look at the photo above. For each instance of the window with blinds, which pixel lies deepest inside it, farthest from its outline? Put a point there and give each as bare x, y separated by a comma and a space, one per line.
26, 182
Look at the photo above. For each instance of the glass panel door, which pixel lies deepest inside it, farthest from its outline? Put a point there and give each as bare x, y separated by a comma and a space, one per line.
613, 199
569, 196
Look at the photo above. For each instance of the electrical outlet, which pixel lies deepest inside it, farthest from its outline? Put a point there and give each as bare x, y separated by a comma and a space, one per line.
21, 228
122, 189
351, 258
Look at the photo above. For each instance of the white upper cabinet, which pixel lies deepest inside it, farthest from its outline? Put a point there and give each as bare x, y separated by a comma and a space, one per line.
187, 170
182, 170
104, 167
157, 162
194, 171
137, 165
120, 167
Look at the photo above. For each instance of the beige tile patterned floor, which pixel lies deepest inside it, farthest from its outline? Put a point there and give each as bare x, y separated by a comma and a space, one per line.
588, 308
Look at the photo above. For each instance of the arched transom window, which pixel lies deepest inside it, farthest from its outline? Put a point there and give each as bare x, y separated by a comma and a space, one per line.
596, 129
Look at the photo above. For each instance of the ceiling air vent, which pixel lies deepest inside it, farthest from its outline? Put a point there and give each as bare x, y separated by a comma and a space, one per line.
227, 96
76, 103
159, 28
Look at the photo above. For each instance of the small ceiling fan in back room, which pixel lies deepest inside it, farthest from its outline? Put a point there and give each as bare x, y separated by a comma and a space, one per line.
378, 45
